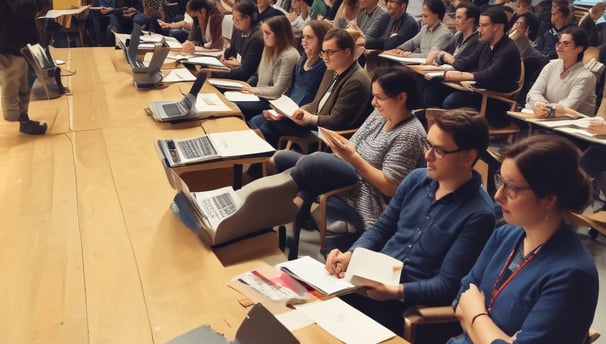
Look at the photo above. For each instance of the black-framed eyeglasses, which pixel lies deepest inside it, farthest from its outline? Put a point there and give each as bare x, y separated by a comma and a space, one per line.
439, 152
329, 53
511, 191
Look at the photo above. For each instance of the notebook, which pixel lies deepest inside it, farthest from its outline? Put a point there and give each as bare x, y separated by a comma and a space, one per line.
213, 146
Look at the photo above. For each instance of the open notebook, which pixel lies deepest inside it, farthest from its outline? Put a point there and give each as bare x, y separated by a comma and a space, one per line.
214, 146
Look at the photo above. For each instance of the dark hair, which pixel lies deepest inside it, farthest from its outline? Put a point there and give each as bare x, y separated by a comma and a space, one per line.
284, 37
471, 11
580, 38
563, 7
396, 80
527, 2
468, 129
507, 9
399, 1
342, 38
249, 9
550, 165
435, 6
496, 15
320, 28
197, 5
532, 23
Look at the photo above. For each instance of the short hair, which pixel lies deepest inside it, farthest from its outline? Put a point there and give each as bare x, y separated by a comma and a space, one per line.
550, 165
532, 23
436, 6
527, 2
471, 11
496, 15
342, 38
399, 1
580, 38
285, 38
396, 80
320, 28
249, 9
197, 5
468, 129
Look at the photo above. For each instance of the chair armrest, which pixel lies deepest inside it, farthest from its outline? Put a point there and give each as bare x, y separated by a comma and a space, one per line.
323, 201
431, 314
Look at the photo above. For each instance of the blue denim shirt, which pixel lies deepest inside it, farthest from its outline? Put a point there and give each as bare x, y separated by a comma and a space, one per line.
438, 241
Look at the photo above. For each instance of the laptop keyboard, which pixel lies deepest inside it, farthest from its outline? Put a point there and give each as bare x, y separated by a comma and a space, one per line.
196, 148
172, 110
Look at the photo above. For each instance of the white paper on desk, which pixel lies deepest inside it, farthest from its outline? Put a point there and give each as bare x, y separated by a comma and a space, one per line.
209, 102
345, 322
235, 96
58, 13
582, 132
551, 123
294, 320
208, 52
179, 75
404, 60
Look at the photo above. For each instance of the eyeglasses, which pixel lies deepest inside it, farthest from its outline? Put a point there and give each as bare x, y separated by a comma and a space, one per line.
511, 191
328, 53
437, 151
564, 44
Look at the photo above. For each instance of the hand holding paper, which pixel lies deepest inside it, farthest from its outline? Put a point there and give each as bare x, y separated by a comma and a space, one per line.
339, 144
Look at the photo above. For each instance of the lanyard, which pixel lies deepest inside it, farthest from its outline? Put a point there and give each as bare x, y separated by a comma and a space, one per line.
496, 291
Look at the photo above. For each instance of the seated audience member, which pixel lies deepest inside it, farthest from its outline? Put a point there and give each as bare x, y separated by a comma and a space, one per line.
565, 82
464, 42
152, 11
266, 11
534, 281
560, 11
300, 17
436, 223
347, 14
370, 12
342, 100
99, 19
521, 7
588, 23
276, 68
307, 75
318, 10
123, 19
178, 29
246, 42
208, 16
393, 28
522, 33
387, 147
496, 66
434, 35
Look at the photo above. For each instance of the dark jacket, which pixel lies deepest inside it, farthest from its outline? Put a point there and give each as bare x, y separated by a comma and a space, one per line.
17, 24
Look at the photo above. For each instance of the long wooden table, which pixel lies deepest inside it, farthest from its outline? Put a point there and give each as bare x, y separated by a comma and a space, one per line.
90, 251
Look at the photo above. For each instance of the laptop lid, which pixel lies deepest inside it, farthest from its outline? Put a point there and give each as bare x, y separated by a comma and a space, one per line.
262, 327
133, 45
176, 109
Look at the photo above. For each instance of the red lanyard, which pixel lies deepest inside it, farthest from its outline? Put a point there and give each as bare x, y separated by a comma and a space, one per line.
496, 291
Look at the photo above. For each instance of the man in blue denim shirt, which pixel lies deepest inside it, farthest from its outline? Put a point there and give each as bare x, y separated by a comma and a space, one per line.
437, 223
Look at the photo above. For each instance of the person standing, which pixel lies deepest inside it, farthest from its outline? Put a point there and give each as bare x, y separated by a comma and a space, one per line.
17, 29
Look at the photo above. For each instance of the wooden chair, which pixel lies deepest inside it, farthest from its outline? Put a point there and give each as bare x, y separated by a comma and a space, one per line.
418, 316
310, 142
507, 97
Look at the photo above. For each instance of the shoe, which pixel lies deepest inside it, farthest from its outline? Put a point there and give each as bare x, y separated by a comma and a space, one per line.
30, 127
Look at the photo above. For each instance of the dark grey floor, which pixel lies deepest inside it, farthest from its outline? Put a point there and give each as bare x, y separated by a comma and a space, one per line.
309, 245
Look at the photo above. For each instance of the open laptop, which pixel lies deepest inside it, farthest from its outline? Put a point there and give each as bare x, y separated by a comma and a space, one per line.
170, 110
259, 327
145, 75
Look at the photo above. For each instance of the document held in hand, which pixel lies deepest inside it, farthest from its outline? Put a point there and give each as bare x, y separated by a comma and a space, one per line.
284, 105
365, 268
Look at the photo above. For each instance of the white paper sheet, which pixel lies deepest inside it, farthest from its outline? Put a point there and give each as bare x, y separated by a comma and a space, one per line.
179, 75
345, 322
294, 320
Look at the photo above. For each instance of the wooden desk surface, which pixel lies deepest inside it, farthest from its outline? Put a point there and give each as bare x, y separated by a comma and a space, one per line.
91, 252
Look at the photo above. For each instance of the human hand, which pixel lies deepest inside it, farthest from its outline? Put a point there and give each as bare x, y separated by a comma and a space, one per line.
340, 146
432, 58
337, 262
597, 126
106, 10
540, 109
188, 47
303, 117
246, 88
471, 303
164, 24
272, 115
382, 292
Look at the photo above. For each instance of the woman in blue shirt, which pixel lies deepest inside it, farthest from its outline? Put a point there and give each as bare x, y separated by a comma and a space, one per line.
534, 281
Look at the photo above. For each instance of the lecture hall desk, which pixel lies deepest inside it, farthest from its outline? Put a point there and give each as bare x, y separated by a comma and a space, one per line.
89, 250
